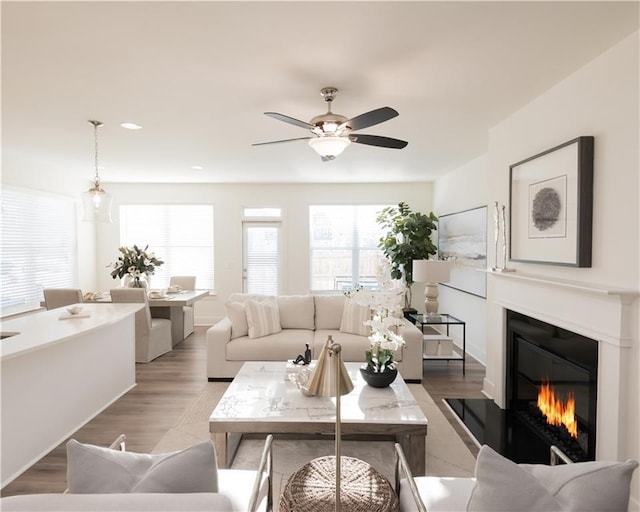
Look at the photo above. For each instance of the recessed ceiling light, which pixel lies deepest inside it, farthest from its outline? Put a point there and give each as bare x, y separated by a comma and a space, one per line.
131, 126
197, 167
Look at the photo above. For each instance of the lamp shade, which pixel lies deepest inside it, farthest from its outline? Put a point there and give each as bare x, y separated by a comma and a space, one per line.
96, 205
431, 271
322, 381
329, 147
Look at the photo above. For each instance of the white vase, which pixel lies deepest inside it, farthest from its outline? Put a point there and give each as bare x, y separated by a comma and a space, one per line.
135, 282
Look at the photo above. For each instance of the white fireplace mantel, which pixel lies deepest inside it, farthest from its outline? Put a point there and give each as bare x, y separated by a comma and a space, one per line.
598, 312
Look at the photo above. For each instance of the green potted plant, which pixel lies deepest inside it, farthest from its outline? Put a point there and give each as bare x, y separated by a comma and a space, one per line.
407, 237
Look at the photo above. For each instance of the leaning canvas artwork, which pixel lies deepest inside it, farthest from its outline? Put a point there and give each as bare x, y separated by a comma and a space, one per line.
462, 239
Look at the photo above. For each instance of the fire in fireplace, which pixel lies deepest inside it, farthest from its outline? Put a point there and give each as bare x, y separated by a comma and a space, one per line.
557, 411
552, 385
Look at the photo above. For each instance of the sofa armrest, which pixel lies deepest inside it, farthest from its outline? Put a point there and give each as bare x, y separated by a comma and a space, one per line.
411, 365
402, 470
265, 472
219, 335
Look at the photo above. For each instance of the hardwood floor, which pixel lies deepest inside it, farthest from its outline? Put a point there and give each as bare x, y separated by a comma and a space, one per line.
166, 386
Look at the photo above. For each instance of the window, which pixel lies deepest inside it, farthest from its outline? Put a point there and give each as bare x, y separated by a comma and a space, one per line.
344, 246
39, 247
180, 235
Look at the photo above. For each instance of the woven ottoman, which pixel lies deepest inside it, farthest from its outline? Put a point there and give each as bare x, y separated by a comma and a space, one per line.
362, 489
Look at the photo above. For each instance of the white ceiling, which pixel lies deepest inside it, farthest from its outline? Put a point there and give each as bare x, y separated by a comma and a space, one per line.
199, 75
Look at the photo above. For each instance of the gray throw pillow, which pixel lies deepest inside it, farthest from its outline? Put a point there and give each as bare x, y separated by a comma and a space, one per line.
94, 469
502, 485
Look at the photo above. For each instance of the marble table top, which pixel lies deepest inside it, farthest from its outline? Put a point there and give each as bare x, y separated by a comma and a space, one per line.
262, 392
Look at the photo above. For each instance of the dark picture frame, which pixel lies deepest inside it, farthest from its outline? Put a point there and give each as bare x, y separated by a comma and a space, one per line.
462, 239
551, 205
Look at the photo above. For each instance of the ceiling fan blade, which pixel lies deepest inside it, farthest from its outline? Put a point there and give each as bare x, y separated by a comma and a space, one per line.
280, 141
370, 118
376, 140
290, 120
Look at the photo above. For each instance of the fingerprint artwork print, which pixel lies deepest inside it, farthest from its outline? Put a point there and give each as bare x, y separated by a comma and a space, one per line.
547, 208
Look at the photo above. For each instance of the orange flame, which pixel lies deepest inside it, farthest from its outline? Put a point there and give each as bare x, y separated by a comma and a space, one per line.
558, 412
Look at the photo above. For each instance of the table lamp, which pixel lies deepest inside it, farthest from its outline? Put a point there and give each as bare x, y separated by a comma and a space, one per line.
431, 272
330, 378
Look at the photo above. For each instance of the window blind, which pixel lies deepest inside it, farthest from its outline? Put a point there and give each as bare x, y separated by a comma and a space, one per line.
179, 235
39, 247
344, 246
262, 259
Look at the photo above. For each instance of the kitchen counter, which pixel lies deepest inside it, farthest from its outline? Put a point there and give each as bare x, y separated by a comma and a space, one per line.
57, 374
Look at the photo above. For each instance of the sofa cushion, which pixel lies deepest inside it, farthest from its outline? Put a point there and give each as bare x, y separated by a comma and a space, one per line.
329, 311
586, 486
94, 469
238, 316
263, 318
296, 311
437, 493
286, 344
192, 502
353, 346
353, 317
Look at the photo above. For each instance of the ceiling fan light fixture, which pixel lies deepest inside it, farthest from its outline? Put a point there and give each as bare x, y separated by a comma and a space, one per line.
329, 147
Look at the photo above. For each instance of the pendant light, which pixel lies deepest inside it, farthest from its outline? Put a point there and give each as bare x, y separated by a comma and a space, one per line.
96, 202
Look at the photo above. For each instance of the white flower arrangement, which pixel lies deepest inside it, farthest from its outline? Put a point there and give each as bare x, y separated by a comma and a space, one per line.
385, 304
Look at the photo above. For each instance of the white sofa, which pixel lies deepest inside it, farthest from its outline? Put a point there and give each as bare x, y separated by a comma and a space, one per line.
239, 490
304, 319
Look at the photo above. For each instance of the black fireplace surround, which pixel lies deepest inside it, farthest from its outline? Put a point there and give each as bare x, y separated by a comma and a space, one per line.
537, 353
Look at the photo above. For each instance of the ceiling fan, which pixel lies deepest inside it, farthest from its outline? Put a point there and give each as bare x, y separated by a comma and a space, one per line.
332, 133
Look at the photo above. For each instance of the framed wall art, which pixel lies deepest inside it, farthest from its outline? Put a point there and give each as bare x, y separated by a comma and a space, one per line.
551, 205
462, 239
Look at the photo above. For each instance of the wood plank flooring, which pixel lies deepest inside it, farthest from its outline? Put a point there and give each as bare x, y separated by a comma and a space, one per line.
166, 386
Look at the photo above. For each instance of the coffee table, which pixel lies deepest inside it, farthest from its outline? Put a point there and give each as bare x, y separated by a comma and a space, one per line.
261, 399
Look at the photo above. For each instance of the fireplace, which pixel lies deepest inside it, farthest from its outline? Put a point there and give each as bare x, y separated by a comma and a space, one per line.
551, 387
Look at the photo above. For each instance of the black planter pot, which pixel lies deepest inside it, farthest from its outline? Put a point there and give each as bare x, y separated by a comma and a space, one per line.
379, 380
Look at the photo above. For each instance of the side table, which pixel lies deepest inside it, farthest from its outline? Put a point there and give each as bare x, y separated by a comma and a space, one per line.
362, 488
423, 321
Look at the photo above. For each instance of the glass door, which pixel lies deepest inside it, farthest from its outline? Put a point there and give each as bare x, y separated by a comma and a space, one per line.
261, 258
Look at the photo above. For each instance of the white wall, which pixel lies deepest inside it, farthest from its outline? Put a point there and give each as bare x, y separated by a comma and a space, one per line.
462, 189
229, 201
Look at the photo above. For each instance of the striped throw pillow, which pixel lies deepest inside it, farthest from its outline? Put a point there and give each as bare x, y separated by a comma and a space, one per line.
353, 316
263, 318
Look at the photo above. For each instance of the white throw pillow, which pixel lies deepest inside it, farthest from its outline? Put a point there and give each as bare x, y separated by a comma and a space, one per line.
238, 316
296, 311
93, 469
263, 317
353, 316
502, 485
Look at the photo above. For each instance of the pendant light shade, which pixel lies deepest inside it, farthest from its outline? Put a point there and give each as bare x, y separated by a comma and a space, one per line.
95, 201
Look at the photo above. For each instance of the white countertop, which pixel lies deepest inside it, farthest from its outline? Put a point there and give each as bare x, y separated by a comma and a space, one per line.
43, 328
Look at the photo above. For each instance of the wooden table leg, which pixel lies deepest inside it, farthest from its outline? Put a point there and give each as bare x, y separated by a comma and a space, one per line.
415, 450
226, 445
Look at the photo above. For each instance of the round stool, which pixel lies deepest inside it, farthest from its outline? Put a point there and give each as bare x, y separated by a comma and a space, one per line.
362, 488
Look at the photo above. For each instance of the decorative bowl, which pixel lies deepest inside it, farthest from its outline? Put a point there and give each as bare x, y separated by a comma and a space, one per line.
379, 380
74, 310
